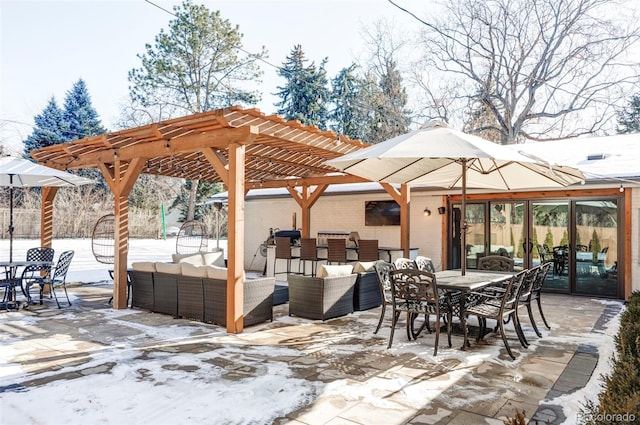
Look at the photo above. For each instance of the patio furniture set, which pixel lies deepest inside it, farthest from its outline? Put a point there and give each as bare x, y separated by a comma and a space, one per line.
493, 293
39, 270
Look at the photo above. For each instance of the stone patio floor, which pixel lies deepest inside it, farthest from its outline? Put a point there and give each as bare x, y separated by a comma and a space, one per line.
354, 378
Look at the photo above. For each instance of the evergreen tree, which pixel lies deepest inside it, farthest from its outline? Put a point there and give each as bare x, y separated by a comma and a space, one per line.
196, 66
349, 117
548, 239
48, 128
595, 245
80, 118
390, 116
305, 94
629, 118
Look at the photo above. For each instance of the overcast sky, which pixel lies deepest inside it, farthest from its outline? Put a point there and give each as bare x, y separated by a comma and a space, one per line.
46, 46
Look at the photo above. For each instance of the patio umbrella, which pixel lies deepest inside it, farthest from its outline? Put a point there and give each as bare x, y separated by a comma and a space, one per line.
438, 155
18, 172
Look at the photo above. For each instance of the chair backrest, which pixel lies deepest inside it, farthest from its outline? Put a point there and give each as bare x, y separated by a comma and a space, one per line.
308, 249
414, 286
39, 254
336, 250
103, 239
512, 290
383, 269
425, 263
540, 278
283, 247
528, 281
368, 250
62, 266
405, 263
495, 263
192, 238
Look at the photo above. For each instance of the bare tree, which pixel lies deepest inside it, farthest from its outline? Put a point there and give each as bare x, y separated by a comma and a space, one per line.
540, 69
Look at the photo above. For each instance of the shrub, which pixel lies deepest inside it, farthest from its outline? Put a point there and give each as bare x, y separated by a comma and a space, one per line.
621, 392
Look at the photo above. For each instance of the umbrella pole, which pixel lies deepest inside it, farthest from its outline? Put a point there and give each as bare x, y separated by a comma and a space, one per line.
463, 219
10, 218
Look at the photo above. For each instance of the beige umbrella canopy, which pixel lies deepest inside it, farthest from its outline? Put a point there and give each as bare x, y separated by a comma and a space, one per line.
18, 172
438, 155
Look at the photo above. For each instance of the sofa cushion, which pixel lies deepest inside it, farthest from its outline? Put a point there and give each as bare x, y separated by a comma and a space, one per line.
195, 259
172, 268
215, 272
144, 266
213, 258
333, 271
363, 266
189, 269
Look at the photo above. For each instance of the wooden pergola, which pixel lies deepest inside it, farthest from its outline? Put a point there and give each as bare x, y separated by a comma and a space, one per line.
242, 148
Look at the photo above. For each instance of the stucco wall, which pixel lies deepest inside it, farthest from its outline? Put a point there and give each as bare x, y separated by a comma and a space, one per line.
344, 213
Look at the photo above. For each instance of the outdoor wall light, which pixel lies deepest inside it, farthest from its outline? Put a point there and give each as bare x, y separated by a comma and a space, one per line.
427, 212
442, 210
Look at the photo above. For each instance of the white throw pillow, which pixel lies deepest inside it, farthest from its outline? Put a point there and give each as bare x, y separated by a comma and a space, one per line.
365, 266
215, 272
144, 266
192, 270
195, 259
333, 271
172, 268
213, 258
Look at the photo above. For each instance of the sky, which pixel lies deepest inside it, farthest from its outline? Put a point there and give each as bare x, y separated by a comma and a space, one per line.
46, 46
99, 397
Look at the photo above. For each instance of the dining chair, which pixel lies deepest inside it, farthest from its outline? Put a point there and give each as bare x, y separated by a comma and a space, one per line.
57, 278
336, 251
497, 263
383, 269
498, 305
309, 252
405, 263
425, 263
416, 292
534, 295
368, 250
283, 252
36, 272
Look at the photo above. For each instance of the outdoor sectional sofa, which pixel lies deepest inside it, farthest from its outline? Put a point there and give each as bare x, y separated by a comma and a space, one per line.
366, 292
196, 288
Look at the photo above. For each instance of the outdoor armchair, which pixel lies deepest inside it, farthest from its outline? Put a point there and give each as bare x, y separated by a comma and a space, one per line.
326, 296
495, 263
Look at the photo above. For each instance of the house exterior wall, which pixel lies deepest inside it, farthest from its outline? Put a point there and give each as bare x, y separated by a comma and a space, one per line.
344, 212
634, 256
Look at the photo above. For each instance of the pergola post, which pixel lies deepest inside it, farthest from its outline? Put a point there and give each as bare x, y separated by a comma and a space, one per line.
46, 215
235, 248
403, 198
121, 176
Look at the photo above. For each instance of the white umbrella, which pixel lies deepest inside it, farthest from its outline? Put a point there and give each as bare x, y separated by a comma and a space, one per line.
440, 156
18, 172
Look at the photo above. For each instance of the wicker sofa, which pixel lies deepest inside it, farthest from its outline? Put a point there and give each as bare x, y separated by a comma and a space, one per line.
325, 296
366, 292
197, 291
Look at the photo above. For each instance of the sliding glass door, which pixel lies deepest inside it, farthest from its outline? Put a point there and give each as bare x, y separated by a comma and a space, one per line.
580, 238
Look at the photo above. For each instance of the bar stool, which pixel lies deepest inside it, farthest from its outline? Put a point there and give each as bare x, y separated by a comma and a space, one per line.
336, 251
368, 250
283, 252
309, 252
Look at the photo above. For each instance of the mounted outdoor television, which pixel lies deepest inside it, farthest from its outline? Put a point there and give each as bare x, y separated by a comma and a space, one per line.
381, 213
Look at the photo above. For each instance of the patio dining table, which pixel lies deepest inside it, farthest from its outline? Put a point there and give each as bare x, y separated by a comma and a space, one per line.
12, 280
460, 287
